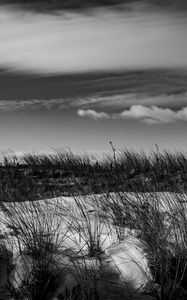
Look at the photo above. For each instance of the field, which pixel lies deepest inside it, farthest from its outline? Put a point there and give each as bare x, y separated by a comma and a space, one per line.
78, 227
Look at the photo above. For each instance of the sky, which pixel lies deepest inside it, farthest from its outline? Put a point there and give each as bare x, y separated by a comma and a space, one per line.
76, 76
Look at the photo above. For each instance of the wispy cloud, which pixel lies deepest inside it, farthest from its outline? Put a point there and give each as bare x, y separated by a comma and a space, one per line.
32, 104
121, 101
104, 40
81, 5
87, 105
149, 115
90, 113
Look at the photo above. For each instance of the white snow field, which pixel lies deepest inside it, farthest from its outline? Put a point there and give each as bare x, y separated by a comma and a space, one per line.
78, 224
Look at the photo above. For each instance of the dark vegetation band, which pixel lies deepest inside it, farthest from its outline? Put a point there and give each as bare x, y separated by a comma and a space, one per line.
64, 173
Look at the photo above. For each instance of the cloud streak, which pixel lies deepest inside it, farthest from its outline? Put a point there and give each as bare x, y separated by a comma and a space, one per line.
121, 101
110, 104
144, 114
32, 104
51, 5
104, 40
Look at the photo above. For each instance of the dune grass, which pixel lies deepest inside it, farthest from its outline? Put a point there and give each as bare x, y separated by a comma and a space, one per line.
131, 203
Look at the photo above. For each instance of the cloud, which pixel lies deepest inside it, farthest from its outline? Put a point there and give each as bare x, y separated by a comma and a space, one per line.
32, 104
90, 113
50, 5
153, 114
101, 41
148, 115
111, 105
121, 101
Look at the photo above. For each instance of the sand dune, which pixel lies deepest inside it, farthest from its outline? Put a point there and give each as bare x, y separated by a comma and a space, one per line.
77, 224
